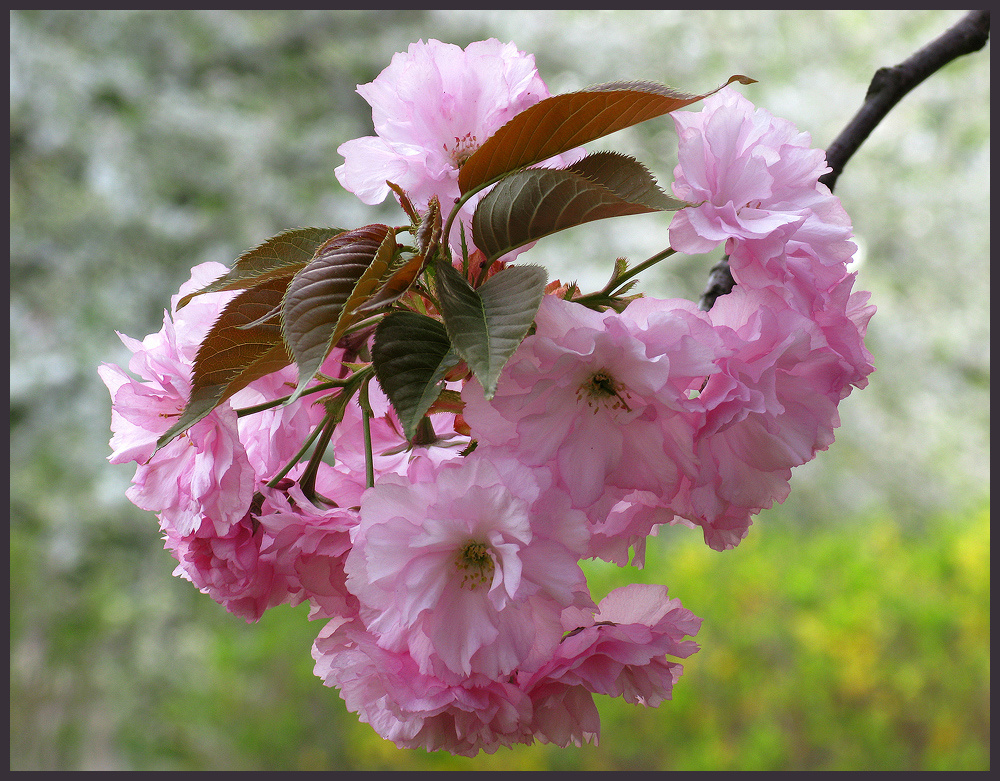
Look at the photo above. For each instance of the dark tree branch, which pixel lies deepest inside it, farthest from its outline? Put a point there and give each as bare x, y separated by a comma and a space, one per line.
720, 283
888, 87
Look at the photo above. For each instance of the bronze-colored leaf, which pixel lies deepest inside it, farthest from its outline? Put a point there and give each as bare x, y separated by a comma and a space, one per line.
231, 355
627, 178
429, 232
404, 201
563, 122
316, 298
395, 286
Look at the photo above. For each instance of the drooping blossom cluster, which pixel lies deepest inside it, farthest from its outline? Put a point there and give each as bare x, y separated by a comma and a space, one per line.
457, 613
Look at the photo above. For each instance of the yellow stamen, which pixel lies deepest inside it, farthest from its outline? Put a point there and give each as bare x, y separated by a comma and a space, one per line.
476, 563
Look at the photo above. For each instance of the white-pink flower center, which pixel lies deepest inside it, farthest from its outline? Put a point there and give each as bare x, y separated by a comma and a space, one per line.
474, 563
462, 149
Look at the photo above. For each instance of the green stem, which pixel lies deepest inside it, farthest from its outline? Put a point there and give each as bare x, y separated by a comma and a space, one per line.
608, 295
617, 281
302, 451
335, 413
366, 415
308, 480
244, 411
446, 231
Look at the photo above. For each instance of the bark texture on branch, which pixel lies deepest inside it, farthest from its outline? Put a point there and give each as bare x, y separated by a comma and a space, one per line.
889, 85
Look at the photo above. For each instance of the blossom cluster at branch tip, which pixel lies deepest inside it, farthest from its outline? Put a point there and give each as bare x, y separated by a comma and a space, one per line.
447, 570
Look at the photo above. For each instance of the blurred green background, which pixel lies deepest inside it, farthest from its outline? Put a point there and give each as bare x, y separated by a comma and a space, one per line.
850, 631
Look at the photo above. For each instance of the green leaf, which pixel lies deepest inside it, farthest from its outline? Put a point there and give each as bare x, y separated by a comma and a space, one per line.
563, 122
318, 305
530, 204
627, 178
487, 324
231, 356
411, 355
279, 256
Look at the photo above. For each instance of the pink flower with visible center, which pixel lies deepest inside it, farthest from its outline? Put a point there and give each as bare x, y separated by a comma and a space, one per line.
747, 172
466, 565
602, 397
432, 108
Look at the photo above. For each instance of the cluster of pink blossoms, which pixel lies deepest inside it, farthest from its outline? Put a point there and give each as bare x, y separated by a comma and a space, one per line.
458, 616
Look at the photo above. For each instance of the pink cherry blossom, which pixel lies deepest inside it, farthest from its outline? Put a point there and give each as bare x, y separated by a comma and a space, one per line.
458, 615
809, 259
285, 550
203, 473
309, 543
467, 564
601, 397
621, 651
432, 107
563, 713
749, 174
230, 568
771, 407
387, 689
622, 520
164, 362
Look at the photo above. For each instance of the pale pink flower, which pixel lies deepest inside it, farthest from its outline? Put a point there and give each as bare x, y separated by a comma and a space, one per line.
563, 713
387, 689
749, 174
309, 544
285, 550
771, 406
164, 362
601, 397
466, 565
204, 472
797, 330
622, 520
432, 107
806, 260
622, 650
